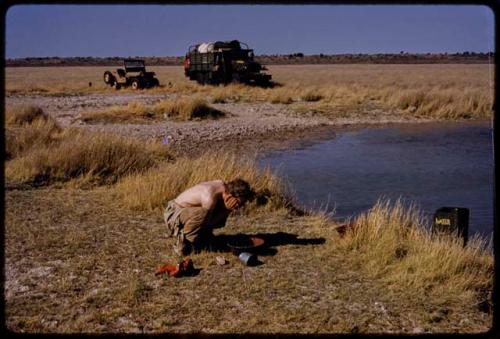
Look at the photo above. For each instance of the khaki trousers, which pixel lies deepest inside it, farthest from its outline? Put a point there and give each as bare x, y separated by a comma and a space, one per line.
189, 221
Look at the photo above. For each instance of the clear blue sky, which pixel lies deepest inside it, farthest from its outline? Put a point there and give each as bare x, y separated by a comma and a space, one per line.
161, 30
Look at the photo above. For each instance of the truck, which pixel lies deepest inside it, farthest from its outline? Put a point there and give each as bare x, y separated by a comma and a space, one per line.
223, 62
132, 74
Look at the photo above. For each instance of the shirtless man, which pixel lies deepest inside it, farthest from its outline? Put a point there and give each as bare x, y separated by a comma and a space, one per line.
193, 215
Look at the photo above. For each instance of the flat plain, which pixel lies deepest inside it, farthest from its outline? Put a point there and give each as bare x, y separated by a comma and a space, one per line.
89, 169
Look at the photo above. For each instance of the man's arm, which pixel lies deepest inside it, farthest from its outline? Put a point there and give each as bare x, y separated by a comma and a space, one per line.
218, 221
218, 216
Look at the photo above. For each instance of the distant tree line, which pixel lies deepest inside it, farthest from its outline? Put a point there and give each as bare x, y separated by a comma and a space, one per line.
380, 58
275, 59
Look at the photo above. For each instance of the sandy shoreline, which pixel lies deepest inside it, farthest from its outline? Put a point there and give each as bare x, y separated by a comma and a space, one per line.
255, 126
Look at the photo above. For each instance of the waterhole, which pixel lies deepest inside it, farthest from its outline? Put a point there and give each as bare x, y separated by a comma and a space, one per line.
429, 164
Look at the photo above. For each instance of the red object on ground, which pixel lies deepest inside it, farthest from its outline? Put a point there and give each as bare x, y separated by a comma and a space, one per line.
185, 268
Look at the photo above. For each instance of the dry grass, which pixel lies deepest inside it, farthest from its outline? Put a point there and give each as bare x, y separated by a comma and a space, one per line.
43, 154
187, 109
281, 98
55, 81
91, 262
135, 112
19, 140
390, 242
152, 189
28, 127
443, 104
311, 95
25, 114
229, 93
430, 91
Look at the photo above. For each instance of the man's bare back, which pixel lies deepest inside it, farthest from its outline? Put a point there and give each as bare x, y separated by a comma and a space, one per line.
205, 194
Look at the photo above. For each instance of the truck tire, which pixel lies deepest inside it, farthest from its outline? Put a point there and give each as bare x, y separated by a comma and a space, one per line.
109, 79
215, 81
136, 84
201, 78
155, 82
236, 79
116, 85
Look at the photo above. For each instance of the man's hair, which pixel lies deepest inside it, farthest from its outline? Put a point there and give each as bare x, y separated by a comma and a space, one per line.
239, 188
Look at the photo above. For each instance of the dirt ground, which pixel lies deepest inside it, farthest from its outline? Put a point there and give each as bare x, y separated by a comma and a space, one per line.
76, 261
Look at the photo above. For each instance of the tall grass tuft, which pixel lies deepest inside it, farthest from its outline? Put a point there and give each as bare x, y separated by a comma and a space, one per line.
441, 103
28, 127
40, 133
152, 189
133, 112
24, 114
229, 93
136, 112
390, 241
281, 96
100, 158
311, 95
187, 109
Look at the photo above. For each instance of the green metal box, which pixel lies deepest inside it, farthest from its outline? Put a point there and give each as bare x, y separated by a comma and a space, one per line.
452, 220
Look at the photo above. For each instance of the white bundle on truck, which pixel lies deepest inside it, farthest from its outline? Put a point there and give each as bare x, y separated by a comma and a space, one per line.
205, 47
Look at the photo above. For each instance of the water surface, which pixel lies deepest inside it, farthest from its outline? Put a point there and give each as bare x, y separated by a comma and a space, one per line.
432, 165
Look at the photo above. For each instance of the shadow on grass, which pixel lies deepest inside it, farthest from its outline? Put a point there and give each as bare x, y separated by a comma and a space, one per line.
271, 241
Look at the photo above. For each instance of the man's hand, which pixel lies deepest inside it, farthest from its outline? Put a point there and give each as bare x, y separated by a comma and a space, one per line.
231, 202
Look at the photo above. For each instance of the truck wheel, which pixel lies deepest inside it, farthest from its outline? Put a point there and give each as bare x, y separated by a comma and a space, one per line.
155, 82
236, 79
116, 85
215, 81
200, 78
109, 79
136, 84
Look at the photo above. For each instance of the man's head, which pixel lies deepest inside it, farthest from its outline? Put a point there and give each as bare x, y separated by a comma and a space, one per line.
237, 193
